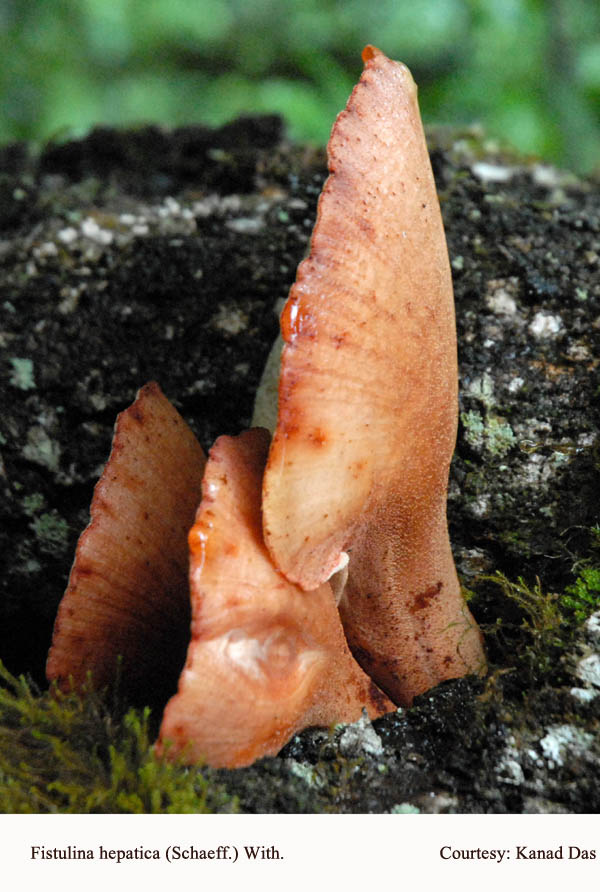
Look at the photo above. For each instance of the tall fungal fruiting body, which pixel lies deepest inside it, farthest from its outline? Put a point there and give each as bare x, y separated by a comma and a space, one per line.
127, 600
265, 659
368, 399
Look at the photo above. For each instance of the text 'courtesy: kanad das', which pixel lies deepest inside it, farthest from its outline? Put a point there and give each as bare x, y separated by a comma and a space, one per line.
518, 853
171, 853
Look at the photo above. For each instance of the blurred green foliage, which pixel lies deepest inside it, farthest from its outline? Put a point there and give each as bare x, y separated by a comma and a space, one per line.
529, 70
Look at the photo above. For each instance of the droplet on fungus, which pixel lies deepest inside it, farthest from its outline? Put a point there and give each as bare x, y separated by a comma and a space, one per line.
378, 372
266, 659
124, 618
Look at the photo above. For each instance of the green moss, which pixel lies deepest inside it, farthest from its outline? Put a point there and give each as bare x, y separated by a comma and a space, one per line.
533, 644
516, 542
583, 597
68, 754
537, 627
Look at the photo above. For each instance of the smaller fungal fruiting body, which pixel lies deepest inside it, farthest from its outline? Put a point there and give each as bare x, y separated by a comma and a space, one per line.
265, 658
127, 601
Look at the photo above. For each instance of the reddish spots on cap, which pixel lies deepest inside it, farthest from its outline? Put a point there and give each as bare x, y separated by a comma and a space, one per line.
317, 437
136, 414
339, 339
366, 227
357, 468
288, 427
84, 570
423, 599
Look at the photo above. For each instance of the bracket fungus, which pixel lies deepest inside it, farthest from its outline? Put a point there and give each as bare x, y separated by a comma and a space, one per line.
352, 486
266, 659
127, 597
368, 398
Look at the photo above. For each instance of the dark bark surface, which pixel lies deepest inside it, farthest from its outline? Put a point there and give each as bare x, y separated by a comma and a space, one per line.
153, 255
